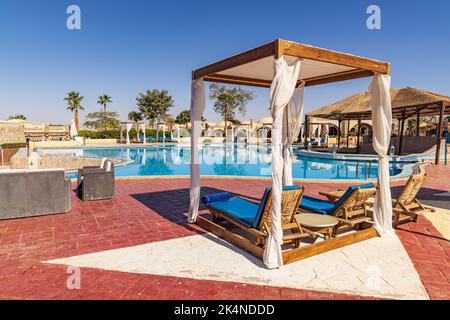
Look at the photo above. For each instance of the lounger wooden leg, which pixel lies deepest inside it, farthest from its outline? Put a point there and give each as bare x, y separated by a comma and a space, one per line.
396, 219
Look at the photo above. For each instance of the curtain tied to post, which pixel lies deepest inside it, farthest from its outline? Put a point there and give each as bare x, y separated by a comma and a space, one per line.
292, 123
281, 91
197, 109
382, 127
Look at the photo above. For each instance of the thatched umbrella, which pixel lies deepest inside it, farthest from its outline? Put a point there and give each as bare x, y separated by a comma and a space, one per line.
408, 99
406, 102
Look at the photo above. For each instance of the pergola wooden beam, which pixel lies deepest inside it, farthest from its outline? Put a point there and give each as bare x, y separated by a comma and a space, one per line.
344, 59
261, 52
237, 80
335, 77
363, 67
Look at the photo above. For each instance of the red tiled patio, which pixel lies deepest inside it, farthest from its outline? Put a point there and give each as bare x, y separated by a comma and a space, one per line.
150, 210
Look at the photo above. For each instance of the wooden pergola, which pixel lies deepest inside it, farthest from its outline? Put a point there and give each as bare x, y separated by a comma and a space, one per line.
406, 103
128, 125
320, 66
256, 68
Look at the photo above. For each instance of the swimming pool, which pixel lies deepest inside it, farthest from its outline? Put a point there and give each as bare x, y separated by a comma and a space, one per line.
228, 160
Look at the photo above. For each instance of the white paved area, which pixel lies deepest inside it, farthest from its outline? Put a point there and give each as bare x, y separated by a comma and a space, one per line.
376, 267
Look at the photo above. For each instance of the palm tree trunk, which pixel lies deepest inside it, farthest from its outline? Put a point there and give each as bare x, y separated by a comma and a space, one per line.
75, 112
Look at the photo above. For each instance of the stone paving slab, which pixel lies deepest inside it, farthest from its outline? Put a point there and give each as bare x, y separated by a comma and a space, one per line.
377, 267
153, 210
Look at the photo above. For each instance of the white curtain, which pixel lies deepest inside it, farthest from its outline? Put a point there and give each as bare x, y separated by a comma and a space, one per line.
142, 127
382, 126
164, 133
178, 133
73, 129
129, 126
197, 109
292, 123
281, 91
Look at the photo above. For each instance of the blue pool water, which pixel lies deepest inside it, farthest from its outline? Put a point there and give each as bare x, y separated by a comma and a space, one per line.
226, 160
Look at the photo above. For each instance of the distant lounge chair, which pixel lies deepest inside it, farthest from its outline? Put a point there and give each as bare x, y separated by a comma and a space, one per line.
149, 139
350, 207
407, 204
255, 219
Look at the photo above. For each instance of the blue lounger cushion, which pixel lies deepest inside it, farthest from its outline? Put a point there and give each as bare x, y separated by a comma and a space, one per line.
350, 190
216, 197
317, 205
242, 210
327, 207
246, 212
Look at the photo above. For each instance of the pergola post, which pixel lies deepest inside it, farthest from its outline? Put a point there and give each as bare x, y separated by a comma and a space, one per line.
418, 122
359, 134
348, 131
402, 129
339, 133
306, 130
439, 133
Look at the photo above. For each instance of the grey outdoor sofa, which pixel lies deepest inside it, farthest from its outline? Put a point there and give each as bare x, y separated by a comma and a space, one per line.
28, 193
96, 183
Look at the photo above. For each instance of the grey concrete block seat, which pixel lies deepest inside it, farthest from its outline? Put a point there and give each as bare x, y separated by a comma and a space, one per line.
28, 193
96, 183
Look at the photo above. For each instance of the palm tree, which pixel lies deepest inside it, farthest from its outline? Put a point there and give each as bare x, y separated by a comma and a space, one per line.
135, 116
74, 104
104, 100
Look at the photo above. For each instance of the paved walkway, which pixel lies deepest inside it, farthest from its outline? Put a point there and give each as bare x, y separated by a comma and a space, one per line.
149, 211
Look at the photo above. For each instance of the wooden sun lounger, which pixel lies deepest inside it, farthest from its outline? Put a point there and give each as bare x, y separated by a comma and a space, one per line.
261, 228
352, 210
406, 207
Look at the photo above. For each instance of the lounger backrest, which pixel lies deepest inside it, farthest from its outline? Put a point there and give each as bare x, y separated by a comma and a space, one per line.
412, 187
355, 196
290, 201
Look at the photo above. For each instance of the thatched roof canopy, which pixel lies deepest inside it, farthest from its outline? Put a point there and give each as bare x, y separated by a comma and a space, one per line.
410, 99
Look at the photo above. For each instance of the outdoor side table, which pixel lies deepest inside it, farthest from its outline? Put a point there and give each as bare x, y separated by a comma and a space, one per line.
318, 223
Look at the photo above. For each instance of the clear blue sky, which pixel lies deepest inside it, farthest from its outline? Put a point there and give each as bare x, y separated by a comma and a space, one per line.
125, 47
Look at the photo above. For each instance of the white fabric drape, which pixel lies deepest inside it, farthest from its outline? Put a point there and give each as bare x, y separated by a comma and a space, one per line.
281, 91
164, 133
178, 133
197, 109
292, 123
142, 127
129, 126
73, 129
382, 126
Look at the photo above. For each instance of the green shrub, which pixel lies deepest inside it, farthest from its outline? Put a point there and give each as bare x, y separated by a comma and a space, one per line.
13, 145
115, 134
